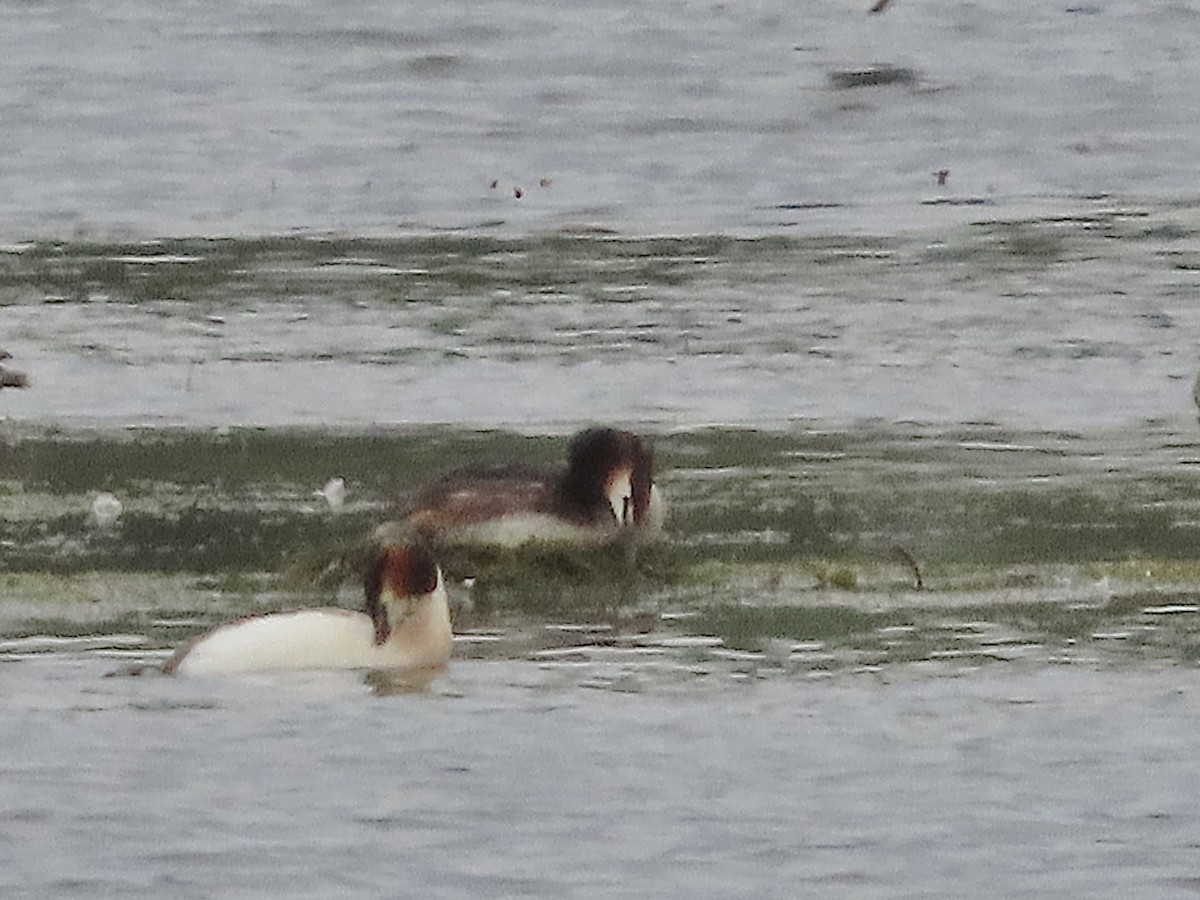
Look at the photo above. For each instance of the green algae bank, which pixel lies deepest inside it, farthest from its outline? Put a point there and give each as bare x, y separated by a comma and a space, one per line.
905, 303
888, 655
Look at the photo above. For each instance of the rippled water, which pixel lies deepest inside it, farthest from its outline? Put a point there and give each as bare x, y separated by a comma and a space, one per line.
1082, 322
928, 619
677, 117
772, 705
510, 779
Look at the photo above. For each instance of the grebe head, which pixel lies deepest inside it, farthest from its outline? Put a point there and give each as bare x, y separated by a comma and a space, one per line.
396, 583
613, 468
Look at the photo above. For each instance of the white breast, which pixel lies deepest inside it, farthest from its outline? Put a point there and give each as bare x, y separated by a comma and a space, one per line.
620, 498
517, 529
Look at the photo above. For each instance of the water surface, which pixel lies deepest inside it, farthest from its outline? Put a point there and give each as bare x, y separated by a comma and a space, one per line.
1081, 322
687, 117
509, 779
928, 618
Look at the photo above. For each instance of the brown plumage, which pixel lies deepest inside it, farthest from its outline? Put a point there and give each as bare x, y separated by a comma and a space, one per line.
410, 571
606, 485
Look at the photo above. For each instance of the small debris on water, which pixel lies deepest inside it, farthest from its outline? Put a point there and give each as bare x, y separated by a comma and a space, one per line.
334, 492
873, 76
106, 509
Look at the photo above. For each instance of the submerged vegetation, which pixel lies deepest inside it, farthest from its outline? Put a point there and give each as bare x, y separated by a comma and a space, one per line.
404, 269
859, 547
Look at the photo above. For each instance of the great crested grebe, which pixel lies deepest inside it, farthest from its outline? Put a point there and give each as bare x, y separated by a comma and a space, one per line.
605, 492
406, 625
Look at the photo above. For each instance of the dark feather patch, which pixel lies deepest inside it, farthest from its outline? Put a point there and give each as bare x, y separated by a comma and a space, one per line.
372, 587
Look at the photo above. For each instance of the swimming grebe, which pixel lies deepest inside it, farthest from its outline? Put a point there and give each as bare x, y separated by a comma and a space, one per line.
605, 492
406, 625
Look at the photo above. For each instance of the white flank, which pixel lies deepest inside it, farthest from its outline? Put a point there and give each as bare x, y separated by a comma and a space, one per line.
326, 638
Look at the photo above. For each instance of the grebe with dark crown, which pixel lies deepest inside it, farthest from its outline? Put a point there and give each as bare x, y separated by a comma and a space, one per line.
606, 491
406, 625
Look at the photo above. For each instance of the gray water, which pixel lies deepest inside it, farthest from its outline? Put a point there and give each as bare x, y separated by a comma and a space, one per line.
1089, 323
1048, 284
510, 780
677, 117
1078, 122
